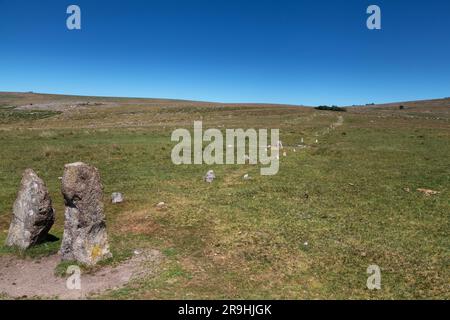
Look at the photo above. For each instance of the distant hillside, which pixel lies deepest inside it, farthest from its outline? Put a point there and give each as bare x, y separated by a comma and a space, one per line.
23, 99
435, 104
56, 102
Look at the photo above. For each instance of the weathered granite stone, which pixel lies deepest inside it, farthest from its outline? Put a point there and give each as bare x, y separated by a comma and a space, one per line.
85, 239
33, 214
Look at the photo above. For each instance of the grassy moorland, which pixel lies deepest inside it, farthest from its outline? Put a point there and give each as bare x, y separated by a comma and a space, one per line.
308, 232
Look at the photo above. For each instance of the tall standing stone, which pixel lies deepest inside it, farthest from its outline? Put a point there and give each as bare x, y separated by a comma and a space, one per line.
85, 239
33, 214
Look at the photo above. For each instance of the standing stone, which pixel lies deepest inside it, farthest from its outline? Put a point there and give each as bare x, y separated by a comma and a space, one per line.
33, 214
84, 238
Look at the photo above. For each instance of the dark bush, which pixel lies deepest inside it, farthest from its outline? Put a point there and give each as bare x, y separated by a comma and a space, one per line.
332, 108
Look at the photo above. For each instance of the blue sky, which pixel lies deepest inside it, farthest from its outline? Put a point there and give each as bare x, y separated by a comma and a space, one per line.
300, 52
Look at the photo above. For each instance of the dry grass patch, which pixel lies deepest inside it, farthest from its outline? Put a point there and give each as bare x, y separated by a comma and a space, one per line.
136, 222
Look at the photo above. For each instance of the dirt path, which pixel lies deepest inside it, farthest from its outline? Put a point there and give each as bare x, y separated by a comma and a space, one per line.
339, 122
28, 278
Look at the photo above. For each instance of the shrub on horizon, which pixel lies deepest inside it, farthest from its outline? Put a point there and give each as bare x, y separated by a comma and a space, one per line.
332, 108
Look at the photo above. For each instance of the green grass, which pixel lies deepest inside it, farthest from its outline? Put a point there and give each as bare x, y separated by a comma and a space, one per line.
246, 239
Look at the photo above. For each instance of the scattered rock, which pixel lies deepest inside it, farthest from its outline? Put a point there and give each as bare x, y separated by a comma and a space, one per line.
116, 197
85, 239
33, 214
305, 215
161, 206
210, 176
428, 192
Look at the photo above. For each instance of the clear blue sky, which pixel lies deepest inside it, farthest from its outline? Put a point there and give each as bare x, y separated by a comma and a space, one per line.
299, 52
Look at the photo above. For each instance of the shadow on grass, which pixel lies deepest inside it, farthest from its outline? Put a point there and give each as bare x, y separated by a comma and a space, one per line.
49, 246
49, 238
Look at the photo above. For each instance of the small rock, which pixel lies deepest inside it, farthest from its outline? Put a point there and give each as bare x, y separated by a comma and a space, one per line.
116, 197
305, 215
210, 176
161, 206
428, 192
284, 154
246, 177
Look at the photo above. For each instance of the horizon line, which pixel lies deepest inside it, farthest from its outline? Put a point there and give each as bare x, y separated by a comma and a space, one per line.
206, 101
